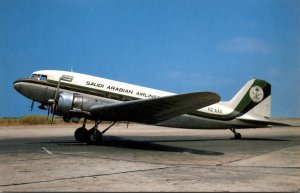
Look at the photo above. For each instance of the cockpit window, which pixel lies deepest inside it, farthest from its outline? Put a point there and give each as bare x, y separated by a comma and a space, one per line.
39, 77
34, 76
43, 77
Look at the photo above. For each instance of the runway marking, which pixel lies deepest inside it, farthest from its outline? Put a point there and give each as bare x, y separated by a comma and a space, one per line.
46, 150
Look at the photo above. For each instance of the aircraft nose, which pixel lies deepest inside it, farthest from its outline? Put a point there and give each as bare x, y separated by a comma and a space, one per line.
21, 87
30, 89
17, 86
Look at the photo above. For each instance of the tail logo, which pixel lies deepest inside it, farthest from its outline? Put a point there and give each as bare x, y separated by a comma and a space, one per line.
256, 94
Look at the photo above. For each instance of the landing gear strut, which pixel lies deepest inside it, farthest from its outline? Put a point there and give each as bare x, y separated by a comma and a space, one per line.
92, 136
236, 134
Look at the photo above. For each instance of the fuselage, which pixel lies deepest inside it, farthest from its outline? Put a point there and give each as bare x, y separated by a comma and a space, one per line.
42, 85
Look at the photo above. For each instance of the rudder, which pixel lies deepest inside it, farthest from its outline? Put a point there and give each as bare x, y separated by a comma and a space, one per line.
253, 101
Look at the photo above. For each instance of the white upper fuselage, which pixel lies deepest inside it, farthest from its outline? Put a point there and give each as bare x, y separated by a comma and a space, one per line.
122, 88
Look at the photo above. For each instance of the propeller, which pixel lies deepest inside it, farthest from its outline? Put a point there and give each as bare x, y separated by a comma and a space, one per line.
49, 108
32, 104
53, 102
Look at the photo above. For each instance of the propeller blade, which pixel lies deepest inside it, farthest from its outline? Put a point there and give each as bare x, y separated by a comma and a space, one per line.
53, 102
32, 104
57, 90
53, 109
52, 119
48, 112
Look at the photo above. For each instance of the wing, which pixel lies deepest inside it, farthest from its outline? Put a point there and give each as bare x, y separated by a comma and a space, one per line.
154, 110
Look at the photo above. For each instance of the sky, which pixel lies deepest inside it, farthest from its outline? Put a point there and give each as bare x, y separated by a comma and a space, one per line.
173, 45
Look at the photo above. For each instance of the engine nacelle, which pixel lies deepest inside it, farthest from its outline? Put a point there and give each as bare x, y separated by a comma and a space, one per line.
73, 106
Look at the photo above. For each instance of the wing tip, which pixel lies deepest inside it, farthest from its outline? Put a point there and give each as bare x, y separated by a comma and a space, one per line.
212, 95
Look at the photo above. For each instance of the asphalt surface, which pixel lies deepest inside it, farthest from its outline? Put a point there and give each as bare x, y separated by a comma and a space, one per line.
148, 158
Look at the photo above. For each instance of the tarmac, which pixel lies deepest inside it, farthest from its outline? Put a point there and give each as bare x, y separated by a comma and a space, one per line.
149, 158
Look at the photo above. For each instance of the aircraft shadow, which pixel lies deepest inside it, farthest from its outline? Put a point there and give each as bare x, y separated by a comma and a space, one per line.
112, 141
151, 145
243, 139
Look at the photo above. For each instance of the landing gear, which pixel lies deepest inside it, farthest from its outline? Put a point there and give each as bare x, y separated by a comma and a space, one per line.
81, 134
92, 136
236, 134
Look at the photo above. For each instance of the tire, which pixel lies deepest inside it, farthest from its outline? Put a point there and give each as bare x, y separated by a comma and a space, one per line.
94, 138
238, 136
81, 134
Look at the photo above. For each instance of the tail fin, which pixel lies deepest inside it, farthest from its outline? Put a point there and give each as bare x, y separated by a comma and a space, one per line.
253, 101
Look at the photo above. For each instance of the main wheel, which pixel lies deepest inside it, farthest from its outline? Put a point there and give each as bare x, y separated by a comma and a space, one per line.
95, 136
81, 134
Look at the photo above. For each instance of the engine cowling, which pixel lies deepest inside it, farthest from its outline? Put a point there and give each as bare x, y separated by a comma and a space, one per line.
73, 106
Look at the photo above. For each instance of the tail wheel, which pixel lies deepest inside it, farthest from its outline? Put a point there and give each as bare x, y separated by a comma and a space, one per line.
236, 134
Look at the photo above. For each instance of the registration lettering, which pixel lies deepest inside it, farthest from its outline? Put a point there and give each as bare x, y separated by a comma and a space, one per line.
214, 110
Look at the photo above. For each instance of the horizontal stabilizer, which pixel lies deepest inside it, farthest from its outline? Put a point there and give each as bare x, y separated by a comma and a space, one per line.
154, 110
261, 122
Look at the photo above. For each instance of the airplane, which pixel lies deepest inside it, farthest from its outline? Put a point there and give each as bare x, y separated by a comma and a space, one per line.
75, 95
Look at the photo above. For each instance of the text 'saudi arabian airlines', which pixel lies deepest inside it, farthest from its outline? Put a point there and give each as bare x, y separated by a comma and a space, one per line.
74, 96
